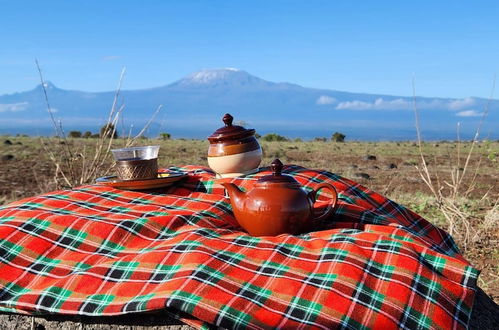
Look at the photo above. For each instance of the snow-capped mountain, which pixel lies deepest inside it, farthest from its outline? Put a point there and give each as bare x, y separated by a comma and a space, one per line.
210, 78
193, 106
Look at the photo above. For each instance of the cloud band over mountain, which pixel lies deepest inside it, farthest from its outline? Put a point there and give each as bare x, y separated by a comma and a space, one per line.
408, 104
13, 107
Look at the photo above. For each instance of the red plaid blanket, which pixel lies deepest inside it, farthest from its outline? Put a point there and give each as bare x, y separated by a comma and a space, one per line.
96, 250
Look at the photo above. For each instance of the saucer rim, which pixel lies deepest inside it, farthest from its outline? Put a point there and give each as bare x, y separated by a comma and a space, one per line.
141, 184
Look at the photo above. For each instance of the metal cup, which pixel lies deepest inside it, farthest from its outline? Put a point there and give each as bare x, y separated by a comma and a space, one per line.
136, 162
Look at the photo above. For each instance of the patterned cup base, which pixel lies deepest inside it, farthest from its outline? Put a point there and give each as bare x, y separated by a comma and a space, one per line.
137, 169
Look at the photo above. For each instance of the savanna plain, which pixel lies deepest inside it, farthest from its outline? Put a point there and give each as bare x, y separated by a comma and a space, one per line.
454, 185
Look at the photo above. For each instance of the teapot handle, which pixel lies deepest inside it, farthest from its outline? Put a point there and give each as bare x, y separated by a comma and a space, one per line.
331, 206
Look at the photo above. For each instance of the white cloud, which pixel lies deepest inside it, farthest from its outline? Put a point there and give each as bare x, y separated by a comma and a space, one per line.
461, 103
469, 113
407, 104
378, 104
13, 107
325, 100
354, 105
53, 110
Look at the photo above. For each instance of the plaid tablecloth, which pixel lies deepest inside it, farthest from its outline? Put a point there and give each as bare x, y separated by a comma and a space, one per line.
96, 250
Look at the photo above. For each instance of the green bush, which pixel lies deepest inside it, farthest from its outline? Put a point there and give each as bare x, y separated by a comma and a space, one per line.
165, 136
274, 137
74, 134
108, 130
338, 137
87, 134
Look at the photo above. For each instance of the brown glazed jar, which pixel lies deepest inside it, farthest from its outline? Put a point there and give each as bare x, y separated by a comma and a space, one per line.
277, 204
233, 150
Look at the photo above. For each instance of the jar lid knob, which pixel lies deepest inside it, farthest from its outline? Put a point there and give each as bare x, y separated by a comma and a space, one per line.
227, 119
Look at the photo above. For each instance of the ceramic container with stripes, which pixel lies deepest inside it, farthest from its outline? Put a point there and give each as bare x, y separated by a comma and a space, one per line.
233, 150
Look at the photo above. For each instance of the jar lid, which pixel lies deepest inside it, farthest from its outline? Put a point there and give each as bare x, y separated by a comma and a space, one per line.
229, 131
277, 176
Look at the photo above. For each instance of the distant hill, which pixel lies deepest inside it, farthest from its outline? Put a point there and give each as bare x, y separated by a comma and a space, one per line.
193, 107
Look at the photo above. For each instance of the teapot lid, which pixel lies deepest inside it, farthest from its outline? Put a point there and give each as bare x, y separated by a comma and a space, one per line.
277, 176
229, 131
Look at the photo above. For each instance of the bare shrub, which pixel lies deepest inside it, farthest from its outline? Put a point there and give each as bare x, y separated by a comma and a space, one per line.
452, 191
75, 163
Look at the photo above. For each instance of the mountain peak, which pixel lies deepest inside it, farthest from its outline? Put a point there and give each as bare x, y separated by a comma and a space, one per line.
220, 77
47, 84
207, 76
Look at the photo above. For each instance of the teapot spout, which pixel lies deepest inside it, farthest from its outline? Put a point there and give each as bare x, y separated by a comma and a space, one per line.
235, 194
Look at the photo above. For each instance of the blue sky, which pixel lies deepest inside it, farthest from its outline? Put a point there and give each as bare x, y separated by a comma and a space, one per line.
451, 47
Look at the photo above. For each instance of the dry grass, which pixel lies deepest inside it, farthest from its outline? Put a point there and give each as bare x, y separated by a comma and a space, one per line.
452, 191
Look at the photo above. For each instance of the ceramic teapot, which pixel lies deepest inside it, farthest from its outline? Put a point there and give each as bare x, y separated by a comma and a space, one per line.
277, 204
233, 150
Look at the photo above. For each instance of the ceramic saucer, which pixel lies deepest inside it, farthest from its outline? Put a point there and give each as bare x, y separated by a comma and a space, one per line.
164, 179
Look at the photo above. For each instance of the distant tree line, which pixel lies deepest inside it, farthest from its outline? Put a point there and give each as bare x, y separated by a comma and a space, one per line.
86, 135
109, 130
271, 137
